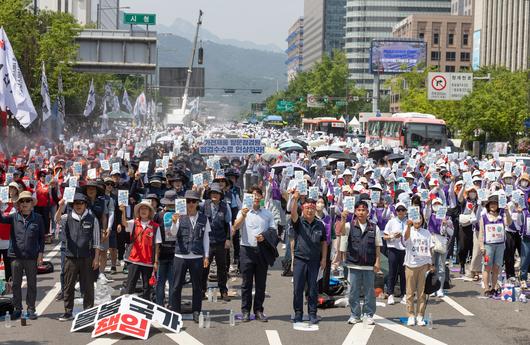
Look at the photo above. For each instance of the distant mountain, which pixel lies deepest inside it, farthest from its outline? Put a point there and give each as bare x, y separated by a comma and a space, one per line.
183, 28
228, 67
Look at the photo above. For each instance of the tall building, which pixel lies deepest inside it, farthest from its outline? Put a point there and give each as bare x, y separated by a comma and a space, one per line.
462, 7
86, 11
448, 39
374, 19
324, 22
504, 34
295, 48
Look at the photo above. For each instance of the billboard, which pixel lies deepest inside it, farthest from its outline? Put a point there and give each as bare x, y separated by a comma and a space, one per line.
396, 56
476, 50
173, 81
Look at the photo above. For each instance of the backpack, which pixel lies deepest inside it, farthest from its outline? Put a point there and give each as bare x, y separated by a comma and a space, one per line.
46, 267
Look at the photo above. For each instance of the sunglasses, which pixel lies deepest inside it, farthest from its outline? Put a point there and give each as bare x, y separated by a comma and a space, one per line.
191, 201
25, 201
79, 202
401, 210
109, 184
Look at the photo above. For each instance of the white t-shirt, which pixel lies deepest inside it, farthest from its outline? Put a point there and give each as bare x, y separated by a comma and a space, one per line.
395, 226
418, 248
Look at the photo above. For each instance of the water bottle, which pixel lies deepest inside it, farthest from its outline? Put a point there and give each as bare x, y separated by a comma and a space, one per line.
207, 320
365, 321
210, 295
201, 320
430, 324
231, 318
8, 320
215, 295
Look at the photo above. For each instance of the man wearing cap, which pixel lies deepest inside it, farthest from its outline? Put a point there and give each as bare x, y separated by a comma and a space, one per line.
97, 204
192, 232
26, 246
220, 218
310, 252
80, 235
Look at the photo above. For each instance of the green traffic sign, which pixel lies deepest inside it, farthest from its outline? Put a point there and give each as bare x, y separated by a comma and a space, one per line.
341, 103
139, 19
284, 106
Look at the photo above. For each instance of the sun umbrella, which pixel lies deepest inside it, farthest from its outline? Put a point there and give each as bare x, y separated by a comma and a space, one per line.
301, 143
288, 144
294, 149
394, 157
342, 156
286, 164
326, 151
378, 154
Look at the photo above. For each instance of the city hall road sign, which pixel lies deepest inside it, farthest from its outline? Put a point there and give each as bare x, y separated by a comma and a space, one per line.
449, 86
139, 19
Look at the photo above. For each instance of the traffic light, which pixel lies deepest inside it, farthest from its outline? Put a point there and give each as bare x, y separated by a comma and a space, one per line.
200, 58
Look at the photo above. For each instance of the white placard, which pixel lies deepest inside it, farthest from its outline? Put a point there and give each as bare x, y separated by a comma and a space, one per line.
180, 207
123, 197
68, 194
143, 167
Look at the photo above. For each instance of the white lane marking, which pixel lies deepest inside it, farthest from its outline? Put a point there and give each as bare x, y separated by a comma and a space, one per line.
358, 335
407, 332
108, 340
457, 306
183, 338
48, 299
273, 337
53, 252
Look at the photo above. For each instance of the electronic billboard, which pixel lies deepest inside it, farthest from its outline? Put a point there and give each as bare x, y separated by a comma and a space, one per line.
396, 56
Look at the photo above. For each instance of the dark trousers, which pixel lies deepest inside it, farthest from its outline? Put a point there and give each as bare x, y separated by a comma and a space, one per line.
74, 268
218, 252
123, 238
180, 266
18, 268
61, 276
45, 213
132, 279
252, 269
396, 269
513, 243
453, 213
7, 263
305, 272
465, 248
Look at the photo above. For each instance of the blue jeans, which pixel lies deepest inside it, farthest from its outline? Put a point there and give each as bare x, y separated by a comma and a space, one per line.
165, 268
525, 257
361, 279
439, 266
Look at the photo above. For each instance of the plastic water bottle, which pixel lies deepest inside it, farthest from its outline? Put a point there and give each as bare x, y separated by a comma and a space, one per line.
430, 323
210, 295
232, 318
207, 320
215, 295
8, 320
365, 321
201, 320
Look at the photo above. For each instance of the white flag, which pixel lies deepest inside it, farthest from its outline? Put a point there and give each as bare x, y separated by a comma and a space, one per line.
194, 106
116, 104
60, 98
140, 106
45, 94
91, 100
125, 101
104, 119
13, 91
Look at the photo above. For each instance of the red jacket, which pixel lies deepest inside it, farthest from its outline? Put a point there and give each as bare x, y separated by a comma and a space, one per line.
143, 243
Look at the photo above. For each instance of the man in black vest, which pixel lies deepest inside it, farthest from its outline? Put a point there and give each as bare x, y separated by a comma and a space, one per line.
192, 247
220, 218
363, 260
80, 234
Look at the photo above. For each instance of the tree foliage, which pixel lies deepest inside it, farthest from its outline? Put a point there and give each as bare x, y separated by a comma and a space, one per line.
329, 77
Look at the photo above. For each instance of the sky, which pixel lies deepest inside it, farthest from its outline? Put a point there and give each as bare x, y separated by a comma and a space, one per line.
259, 21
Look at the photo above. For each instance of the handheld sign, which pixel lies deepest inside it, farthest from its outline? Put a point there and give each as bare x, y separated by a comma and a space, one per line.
123, 197
441, 213
180, 206
328, 174
4, 194
301, 186
414, 213
165, 162
78, 169
248, 200
91, 174
375, 196
290, 170
143, 167
313, 193
502, 201
116, 166
340, 166
299, 175
198, 179
349, 204
105, 165
69, 193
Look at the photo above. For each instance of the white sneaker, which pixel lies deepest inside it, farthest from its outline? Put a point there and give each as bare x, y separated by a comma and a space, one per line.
420, 321
411, 321
391, 300
370, 321
440, 293
404, 300
353, 320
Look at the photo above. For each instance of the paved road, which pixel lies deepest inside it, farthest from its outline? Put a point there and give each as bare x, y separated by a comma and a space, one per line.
464, 318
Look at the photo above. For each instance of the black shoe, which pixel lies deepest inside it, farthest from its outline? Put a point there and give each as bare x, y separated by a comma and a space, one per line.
246, 316
288, 273
59, 296
113, 270
16, 315
66, 317
224, 296
313, 319
32, 315
298, 317
196, 316
261, 317
462, 270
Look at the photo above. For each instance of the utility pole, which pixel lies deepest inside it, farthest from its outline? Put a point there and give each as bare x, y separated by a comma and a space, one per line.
190, 68
34, 7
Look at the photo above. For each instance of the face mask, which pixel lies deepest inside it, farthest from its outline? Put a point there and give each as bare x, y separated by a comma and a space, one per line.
435, 208
508, 181
472, 195
524, 183
447, 180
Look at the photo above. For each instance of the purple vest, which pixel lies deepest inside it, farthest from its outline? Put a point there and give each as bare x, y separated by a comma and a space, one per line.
435, 224
499, 237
